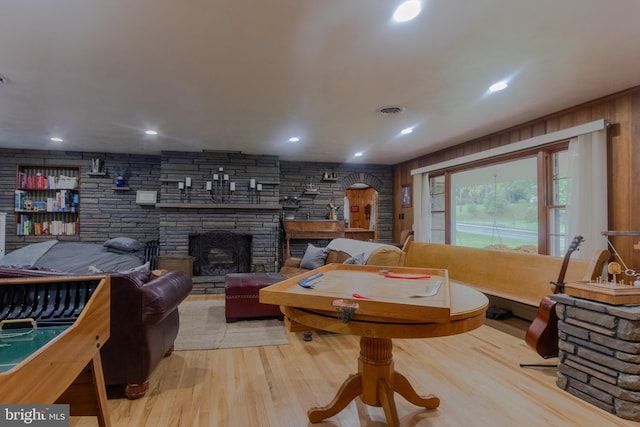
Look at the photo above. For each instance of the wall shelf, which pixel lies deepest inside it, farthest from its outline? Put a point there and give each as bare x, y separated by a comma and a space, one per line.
237, 206
121, 188
97, 174
54, 192
329, 176
620, 233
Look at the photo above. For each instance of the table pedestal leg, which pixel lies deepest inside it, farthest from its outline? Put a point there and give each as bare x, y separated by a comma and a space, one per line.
375, 383
349, 390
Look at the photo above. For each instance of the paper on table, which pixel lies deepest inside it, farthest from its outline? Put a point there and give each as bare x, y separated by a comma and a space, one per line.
429, 293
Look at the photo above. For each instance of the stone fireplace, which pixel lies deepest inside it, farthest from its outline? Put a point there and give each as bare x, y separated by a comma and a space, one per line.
217, 253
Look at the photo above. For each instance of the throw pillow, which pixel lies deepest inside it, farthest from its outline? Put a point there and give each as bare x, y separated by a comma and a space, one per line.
124, 244
337, 257
356, 259
314, 257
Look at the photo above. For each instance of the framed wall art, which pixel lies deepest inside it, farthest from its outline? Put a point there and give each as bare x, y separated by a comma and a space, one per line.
406, 196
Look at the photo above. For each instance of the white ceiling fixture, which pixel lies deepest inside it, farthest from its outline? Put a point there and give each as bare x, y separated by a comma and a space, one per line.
151, 132
56, 139
497, 87
294, 139
407, 11
406, 131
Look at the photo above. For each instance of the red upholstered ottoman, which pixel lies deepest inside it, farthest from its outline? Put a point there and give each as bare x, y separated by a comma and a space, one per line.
241, 296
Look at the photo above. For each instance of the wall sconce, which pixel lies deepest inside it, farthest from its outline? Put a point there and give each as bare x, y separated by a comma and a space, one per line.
255, 189
220, 188
185, 189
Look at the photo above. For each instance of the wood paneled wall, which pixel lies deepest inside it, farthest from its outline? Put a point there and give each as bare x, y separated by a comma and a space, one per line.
620, 110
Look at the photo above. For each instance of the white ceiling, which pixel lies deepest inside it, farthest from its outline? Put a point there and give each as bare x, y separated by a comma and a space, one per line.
246, 75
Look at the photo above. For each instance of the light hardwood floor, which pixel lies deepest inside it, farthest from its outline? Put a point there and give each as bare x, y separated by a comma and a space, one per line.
476, 375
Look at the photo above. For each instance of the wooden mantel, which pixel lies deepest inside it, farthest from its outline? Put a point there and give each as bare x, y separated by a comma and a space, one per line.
310, 229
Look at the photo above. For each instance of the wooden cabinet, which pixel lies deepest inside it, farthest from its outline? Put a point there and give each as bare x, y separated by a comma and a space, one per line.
47, 200
309, 229
176, 263
360, 234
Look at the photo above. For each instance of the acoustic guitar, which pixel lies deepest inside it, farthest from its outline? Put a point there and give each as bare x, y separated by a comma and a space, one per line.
542, 334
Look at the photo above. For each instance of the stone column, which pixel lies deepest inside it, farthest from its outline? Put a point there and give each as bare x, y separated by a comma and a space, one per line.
599, 359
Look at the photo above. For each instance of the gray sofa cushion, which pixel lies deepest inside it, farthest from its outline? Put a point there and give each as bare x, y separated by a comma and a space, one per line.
314, 257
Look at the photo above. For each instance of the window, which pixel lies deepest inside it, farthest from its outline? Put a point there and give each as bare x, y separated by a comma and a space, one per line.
438, 213
496, 206
570, 176
515, 204
556, 206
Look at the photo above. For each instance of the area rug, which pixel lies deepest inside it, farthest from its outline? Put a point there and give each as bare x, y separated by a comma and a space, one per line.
203, 327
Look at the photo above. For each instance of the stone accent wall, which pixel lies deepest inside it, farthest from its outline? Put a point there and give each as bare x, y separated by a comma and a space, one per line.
263, 224
107, 212
599, 358
294, 176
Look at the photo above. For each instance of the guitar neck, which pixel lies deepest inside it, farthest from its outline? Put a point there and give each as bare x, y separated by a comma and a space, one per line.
558, 287
559, 284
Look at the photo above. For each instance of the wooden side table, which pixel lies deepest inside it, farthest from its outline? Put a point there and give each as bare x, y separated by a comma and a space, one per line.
182, 263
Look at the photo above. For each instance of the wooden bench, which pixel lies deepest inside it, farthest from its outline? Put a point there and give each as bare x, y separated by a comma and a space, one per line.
515, 276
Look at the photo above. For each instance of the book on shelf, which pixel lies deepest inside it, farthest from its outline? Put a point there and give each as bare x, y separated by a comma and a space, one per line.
39, 181
19, 196
27, 227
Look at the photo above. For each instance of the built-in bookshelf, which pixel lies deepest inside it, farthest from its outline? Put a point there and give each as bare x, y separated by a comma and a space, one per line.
47, 200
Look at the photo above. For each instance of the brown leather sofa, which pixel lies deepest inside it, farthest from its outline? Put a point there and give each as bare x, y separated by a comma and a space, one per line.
144, 325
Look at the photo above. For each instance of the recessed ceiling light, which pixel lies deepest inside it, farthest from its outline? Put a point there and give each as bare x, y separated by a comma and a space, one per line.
358, 154
294, 139
406, 131
151, 132
496, 87
56, 139
407, 11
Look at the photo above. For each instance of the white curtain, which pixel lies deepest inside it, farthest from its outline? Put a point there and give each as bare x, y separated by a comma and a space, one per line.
587, 201
346, 211
421, 208
374, 209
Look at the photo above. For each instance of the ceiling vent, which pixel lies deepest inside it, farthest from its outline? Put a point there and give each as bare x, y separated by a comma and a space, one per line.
390, 110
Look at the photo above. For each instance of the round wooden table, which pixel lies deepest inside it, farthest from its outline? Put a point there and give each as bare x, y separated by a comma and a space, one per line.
376, 380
